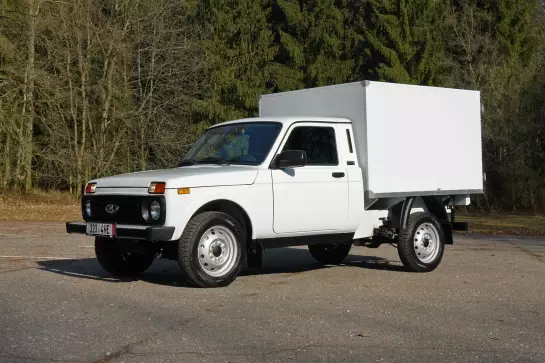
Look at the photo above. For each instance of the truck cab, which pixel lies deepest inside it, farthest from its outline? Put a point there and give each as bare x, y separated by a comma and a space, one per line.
258, 183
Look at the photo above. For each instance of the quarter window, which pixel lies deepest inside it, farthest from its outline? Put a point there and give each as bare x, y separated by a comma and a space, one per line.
349, 141
318, 142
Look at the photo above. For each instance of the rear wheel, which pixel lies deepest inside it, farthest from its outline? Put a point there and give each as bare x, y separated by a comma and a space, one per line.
211, 250
329, 254
121, 263
421, 245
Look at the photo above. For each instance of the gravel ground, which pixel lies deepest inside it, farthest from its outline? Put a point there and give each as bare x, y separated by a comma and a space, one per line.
483, 304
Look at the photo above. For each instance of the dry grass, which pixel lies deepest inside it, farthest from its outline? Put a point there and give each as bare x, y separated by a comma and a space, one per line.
39, 206
505, 224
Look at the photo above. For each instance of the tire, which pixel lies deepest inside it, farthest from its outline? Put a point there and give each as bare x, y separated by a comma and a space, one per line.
209, 261
421, 245
329, 254
118, 262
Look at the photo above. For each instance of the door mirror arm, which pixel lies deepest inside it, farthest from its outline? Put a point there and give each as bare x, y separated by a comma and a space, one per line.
290, 159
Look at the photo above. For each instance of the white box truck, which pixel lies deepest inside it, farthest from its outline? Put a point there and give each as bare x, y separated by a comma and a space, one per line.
361, 163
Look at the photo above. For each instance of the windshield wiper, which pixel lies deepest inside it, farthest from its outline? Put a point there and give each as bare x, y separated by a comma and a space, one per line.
213, 160
188, 162
208, 160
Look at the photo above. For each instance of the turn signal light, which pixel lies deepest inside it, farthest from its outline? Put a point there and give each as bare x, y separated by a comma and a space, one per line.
157, 188
184, 190
90, 188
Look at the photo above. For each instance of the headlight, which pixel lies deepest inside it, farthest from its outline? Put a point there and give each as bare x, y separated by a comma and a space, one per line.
155, 210
88, 208
145, 212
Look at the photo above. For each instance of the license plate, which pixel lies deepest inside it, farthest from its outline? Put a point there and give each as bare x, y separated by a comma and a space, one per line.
100, 229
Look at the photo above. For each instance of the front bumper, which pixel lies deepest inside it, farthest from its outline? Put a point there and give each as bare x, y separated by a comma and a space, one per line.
146, 233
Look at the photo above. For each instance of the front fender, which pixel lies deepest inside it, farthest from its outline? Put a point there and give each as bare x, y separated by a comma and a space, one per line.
180, 208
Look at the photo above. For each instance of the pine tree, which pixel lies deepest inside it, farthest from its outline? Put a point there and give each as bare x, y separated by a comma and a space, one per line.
514, 130
239, 49
403, 39
494, 47
314, 43
514, 18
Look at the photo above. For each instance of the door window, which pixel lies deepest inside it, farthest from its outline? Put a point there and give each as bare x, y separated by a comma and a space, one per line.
318, 142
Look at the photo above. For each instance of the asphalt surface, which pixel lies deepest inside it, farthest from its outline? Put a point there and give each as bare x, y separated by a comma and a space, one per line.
485, 303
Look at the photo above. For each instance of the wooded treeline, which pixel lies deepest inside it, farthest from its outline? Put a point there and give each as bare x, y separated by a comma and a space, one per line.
97, 87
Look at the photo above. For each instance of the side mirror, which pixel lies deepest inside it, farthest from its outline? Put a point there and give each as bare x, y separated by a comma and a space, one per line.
290, 159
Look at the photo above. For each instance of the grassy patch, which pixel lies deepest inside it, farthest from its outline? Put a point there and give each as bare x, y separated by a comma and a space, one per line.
39, 206
505, 224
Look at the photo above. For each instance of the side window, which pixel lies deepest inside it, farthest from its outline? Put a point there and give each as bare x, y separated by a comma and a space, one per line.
349, 139
318, 142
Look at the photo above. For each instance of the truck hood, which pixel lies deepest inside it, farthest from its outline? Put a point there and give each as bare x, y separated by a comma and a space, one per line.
184, 177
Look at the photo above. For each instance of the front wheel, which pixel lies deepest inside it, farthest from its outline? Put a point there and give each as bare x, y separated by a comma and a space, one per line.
211, 250
118, 262
422, 243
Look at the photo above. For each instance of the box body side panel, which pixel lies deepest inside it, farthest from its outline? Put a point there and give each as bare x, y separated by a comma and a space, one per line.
422, 140
410, 140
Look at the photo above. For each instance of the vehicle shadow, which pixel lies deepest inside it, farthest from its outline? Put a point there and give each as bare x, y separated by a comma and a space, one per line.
165, 272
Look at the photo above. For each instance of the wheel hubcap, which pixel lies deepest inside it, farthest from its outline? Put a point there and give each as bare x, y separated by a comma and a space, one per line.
426, 242
217, 251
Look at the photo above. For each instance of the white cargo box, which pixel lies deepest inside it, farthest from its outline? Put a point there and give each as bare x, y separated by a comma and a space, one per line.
410, 140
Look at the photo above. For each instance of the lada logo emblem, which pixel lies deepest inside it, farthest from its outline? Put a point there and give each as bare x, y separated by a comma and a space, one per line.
112, 208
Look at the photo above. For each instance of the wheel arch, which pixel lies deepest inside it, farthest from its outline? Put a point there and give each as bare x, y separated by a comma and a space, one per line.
437, 208
233, 209
434, 205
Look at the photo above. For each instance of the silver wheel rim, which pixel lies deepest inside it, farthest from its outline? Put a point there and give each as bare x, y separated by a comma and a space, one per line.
218, 251
426, 242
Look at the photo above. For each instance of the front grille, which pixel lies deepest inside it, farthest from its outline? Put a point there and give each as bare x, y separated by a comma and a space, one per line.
129, 211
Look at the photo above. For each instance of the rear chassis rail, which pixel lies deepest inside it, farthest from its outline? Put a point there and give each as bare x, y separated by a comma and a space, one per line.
386, 234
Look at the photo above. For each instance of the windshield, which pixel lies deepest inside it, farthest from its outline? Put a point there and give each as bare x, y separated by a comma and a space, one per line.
241, 143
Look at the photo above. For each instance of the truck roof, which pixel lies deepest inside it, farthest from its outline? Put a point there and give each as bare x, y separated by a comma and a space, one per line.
287, 120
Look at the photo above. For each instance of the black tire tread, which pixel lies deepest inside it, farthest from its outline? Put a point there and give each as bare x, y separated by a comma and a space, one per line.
185, 246
405, 246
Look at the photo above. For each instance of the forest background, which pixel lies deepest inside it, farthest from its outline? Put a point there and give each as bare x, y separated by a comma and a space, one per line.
98, 87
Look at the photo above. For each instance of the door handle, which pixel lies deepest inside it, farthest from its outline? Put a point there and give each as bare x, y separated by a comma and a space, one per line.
338, 175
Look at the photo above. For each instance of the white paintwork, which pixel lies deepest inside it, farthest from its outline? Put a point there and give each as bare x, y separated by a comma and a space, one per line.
405, 139
343, 103
440, 127
399, 131
286, 121
186, 177
310, 199
256, 200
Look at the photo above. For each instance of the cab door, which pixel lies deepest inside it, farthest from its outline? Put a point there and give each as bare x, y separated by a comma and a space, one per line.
314, 197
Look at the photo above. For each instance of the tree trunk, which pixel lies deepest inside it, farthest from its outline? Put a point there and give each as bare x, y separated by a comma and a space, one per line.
74, 148
7, 163
20, 142
71, 183
141, 121
107, 100
84, 116
33, 8
83, 62
151, 95
513, 193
